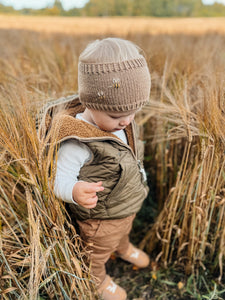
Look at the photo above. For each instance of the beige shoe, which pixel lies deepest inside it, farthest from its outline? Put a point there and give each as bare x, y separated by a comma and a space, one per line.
136, 256
108, 290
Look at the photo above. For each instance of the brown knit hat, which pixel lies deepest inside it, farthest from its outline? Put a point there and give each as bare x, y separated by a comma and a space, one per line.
121, 86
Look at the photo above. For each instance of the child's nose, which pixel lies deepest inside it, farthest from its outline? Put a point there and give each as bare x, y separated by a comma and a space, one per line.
125, 121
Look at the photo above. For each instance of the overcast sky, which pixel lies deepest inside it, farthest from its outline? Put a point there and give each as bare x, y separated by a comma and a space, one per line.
67, 4
18, 4
212, 1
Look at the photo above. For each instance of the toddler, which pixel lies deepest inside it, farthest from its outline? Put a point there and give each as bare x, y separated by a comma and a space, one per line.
99, 162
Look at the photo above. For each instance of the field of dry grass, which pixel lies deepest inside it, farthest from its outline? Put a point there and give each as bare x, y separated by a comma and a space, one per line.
114, 25
40, 251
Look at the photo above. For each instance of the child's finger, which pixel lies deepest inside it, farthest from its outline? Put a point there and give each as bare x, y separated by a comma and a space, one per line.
95, 187
98, 185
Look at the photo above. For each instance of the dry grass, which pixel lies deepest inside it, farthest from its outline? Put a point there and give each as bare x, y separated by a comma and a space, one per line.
188, 101
40, 251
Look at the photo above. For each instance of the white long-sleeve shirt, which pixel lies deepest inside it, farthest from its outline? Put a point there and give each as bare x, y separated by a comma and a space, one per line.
72, 155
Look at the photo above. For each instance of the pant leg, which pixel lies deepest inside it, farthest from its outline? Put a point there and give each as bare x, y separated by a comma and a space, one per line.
103, 237
99, 255
124, 242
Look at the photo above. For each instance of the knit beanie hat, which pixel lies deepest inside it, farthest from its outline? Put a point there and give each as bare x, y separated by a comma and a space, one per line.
121, 86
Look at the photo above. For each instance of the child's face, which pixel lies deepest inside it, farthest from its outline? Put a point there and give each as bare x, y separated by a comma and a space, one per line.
111, 121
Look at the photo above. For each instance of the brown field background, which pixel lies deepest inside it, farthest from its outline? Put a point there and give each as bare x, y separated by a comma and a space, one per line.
115, 25
183, 126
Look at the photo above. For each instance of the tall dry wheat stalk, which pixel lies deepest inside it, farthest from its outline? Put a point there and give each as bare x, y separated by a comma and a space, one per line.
189, 134
40, 251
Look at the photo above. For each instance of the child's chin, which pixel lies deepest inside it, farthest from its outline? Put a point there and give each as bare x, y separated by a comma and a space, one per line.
117, 129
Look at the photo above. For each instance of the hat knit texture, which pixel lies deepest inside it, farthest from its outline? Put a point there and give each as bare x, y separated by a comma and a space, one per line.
121, 86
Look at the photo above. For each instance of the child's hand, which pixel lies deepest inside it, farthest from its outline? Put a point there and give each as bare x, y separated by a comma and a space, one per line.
84, 193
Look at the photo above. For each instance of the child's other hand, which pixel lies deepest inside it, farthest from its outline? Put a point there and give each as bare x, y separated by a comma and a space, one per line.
84, 193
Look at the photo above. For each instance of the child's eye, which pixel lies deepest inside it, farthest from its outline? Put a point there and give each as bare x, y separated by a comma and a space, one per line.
115, 118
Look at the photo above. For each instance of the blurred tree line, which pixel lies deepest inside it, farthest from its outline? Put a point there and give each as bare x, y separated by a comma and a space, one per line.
155, 8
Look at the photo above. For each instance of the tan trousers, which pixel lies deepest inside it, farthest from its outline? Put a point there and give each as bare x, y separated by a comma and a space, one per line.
105, 237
